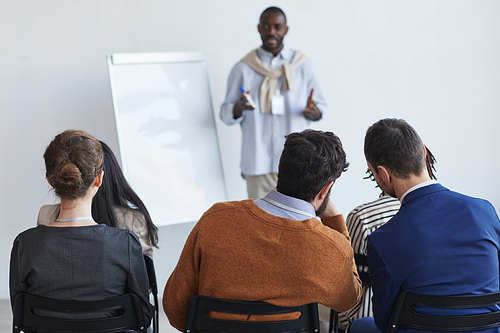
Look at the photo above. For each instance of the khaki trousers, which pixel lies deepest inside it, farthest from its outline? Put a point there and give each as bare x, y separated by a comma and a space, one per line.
258, 186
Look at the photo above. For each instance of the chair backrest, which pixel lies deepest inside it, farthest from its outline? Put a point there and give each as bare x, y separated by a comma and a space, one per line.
153, 286
34, 313
334, 322
362, 267
197, 319
404, 314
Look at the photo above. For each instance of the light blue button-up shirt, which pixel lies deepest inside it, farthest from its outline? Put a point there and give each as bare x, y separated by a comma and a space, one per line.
297, 206
263, 135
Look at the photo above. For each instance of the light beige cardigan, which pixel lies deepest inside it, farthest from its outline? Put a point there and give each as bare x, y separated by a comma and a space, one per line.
271, 75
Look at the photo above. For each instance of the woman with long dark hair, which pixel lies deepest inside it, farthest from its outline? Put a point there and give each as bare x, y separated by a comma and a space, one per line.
116, 205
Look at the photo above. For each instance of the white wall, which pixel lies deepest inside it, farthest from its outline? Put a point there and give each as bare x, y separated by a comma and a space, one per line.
434, 63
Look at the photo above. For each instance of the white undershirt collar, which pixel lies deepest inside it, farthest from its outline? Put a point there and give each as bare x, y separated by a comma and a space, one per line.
416, 187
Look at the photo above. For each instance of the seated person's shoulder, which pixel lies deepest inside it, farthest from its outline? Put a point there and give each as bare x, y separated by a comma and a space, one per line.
129, 218
330, 233
48, 214
118, 232
117, 239
27, 235
228, 206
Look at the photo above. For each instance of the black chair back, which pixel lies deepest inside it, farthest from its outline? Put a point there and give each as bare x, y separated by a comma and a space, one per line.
404, 314
125, 310
197, 319
334, 322
153, 286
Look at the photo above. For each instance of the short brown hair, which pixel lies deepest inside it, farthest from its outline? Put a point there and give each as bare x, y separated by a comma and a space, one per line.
72, 161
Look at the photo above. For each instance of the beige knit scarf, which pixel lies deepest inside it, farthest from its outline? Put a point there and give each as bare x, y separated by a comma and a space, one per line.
268, 86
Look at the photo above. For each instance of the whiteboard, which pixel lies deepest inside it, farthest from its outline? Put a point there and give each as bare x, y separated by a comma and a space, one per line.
166, 133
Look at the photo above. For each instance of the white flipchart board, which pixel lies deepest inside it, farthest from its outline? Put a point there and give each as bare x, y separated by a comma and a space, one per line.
166, 133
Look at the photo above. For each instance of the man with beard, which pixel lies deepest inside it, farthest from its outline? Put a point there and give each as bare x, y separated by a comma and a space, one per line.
274, 249
283, 87
440, 242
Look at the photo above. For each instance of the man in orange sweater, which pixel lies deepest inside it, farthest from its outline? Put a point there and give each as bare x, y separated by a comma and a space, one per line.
274, 249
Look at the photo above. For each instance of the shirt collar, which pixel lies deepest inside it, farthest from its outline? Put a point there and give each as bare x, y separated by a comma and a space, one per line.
416, 187
291, 202
286, 54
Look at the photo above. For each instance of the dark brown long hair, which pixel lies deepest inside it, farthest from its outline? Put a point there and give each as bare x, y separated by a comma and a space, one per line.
116, 191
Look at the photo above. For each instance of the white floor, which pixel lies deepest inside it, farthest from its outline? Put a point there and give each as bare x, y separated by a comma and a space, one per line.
5, 316
6, 319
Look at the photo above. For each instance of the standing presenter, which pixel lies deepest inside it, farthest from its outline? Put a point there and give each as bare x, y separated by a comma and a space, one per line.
271, 92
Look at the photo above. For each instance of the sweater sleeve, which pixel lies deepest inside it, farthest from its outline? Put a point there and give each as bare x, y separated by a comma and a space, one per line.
337, 223
348, 289
182, 284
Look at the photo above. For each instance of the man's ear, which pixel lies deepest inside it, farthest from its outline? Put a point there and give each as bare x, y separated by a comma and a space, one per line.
384, 173
320, 197
324, 191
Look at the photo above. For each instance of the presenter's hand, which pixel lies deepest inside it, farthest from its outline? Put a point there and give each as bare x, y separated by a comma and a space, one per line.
311, 111
241, 105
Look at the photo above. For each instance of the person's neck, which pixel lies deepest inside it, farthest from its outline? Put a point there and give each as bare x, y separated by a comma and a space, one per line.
275, 52
403, 185
75, 208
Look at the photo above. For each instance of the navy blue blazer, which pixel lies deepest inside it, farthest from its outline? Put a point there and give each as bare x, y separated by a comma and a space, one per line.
439, 243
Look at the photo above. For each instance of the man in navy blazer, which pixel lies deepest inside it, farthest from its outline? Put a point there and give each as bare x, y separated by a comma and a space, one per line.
439, 243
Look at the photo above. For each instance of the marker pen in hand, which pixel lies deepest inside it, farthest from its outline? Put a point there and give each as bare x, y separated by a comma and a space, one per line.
248, 97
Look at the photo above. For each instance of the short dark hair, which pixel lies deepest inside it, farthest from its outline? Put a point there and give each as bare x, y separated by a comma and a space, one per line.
393, 143
310, 160
272, 10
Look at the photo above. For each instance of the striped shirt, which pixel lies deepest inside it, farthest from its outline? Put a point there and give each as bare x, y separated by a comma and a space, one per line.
361, 222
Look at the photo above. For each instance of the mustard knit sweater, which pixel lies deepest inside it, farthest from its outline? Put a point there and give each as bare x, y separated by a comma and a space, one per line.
238, 251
